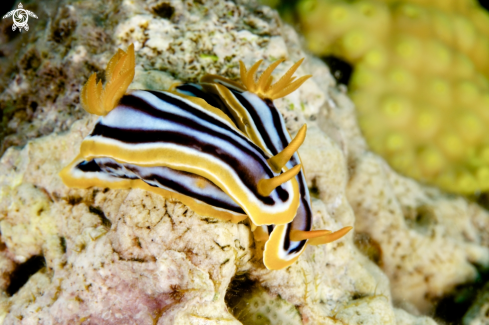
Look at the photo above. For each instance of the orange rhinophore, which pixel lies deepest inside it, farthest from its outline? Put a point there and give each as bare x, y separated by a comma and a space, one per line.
119, 74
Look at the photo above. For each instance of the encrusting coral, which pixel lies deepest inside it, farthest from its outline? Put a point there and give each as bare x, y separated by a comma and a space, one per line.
420, 81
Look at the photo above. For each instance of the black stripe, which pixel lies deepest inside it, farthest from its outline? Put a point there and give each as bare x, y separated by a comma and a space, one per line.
277, 122
254, 116
186, 191
304, 202
287, 241
88, 166
192, 110
166, 182
259, 124
270, 229
195, 91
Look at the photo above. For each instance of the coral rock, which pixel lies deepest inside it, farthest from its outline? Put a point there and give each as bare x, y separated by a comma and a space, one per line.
132, 257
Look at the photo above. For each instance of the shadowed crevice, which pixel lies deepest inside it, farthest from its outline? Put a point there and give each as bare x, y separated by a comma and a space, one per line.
341, 70
23, 272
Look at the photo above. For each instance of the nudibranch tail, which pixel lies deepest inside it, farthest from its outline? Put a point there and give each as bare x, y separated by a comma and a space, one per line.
264, 88
276, 258
119, 74
278, 161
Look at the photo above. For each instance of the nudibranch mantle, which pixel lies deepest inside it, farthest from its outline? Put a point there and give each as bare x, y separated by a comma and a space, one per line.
220, 147
163, 129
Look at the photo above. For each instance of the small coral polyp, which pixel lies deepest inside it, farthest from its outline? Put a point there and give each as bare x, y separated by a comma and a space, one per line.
420, 81
176, 144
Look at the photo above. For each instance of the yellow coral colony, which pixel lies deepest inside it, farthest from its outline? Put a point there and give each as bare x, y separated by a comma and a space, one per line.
420, 81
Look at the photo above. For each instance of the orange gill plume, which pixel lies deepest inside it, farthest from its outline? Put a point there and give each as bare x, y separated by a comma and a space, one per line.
119, 74
263, 87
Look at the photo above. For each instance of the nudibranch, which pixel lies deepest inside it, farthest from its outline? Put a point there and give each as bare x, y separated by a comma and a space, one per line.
250, 105
179, 147
219, 147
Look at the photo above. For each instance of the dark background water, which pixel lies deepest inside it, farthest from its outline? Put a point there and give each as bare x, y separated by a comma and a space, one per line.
6, 6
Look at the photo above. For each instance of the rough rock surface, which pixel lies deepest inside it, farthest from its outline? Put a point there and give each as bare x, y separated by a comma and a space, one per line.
132, 257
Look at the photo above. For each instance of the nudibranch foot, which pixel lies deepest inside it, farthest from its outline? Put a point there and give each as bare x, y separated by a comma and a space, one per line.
200, 195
